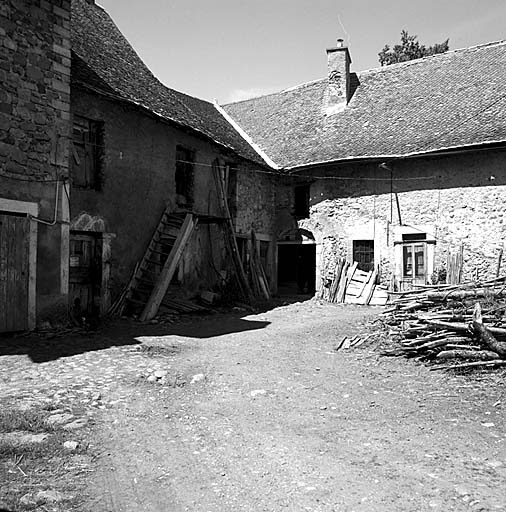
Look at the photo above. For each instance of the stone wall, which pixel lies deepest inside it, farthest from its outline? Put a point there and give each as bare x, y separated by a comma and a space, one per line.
138, 181
456, 200
34, 130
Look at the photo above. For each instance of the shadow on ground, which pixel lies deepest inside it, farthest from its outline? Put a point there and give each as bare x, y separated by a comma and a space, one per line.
41, 348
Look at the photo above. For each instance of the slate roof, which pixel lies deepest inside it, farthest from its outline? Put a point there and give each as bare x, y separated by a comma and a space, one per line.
445, 101
103, 59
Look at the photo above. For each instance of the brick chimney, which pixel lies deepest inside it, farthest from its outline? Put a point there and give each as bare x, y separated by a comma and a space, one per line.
338, 90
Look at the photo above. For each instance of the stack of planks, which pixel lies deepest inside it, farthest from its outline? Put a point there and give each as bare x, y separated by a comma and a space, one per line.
440, 323
351, 285
259, 281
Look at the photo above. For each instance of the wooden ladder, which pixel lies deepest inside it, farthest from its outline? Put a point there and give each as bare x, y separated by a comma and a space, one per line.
153, 274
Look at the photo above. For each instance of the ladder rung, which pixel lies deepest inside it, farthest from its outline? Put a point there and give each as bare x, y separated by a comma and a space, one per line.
164, 235
129, 299
160, 252
176, 223
154, 272
154, 262
144, 280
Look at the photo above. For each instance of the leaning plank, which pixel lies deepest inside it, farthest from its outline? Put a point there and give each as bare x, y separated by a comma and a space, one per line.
369, 290
160, 288
341, 291
349, 277
366, 280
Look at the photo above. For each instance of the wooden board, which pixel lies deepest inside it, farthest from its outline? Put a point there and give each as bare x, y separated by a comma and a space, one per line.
14, 272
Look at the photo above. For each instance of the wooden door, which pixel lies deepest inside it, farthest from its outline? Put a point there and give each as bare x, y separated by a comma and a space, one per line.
414, 264
85, 272
14, 272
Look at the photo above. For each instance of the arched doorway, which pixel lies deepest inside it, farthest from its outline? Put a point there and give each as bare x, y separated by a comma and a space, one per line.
296, 263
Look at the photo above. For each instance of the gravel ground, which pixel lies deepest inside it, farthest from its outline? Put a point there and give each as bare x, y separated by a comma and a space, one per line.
258, 413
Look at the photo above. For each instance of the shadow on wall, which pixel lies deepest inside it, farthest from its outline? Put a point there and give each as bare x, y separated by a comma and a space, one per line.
124, 333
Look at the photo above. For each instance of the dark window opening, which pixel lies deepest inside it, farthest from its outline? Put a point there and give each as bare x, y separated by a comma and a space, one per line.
86, 153
264, 256
185, 159
410, 237
363, 254
242, 247
301, 206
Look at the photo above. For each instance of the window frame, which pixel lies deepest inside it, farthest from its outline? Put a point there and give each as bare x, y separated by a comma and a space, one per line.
86, 153
364, 265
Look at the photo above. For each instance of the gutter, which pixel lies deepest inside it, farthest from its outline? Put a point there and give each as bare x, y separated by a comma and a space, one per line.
450, 150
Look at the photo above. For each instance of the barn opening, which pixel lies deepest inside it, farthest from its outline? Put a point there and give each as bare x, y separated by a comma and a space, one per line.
297, 263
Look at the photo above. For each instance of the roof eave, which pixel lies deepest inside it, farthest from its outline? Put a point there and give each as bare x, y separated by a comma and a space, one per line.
400, 156
161, 117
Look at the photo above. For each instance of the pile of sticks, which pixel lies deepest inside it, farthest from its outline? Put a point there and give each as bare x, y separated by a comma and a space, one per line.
464, 322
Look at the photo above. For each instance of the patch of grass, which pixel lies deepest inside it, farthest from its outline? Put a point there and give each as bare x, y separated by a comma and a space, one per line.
28, 468
29, 420
51, 447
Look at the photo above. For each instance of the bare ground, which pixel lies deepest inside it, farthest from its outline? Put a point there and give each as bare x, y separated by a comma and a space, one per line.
277, 420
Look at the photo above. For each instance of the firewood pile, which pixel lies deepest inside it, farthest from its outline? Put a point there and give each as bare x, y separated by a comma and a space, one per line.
462, 324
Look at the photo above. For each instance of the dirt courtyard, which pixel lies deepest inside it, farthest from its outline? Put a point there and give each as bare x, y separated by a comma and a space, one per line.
258, 412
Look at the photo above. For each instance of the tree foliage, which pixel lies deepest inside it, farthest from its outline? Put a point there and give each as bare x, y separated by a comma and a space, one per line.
409, 49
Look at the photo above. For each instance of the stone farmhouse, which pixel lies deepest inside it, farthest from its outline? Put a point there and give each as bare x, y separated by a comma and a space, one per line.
393, 167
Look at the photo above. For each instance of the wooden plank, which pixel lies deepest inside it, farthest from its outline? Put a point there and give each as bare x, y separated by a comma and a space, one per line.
365, 282
369, 290
349, 277
351, 273
337, 278
169, 268
4, 236
341, 292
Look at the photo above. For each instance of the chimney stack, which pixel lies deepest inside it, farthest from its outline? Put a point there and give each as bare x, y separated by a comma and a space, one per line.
338, 90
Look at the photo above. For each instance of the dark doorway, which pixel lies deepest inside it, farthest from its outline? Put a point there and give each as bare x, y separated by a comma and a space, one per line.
296, 269
85, 273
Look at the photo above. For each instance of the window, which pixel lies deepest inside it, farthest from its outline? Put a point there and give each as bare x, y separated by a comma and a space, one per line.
363, 254
301, 209
413, 259
184, 175
86, 153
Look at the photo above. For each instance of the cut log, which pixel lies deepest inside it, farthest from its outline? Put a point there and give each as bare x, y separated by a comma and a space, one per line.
463, 294
474, 364
485, 333
476, 355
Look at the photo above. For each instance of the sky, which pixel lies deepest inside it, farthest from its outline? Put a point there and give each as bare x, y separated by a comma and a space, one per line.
230, 50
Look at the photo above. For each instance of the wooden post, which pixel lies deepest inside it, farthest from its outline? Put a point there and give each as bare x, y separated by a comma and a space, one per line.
230, 235
499, 260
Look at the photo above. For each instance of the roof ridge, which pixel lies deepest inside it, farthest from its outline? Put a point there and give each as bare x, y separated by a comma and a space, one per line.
376, 70
434, 56
299, 86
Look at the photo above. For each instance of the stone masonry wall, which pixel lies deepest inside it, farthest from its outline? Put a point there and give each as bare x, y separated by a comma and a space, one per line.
139, 163
34, 129
457, 199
